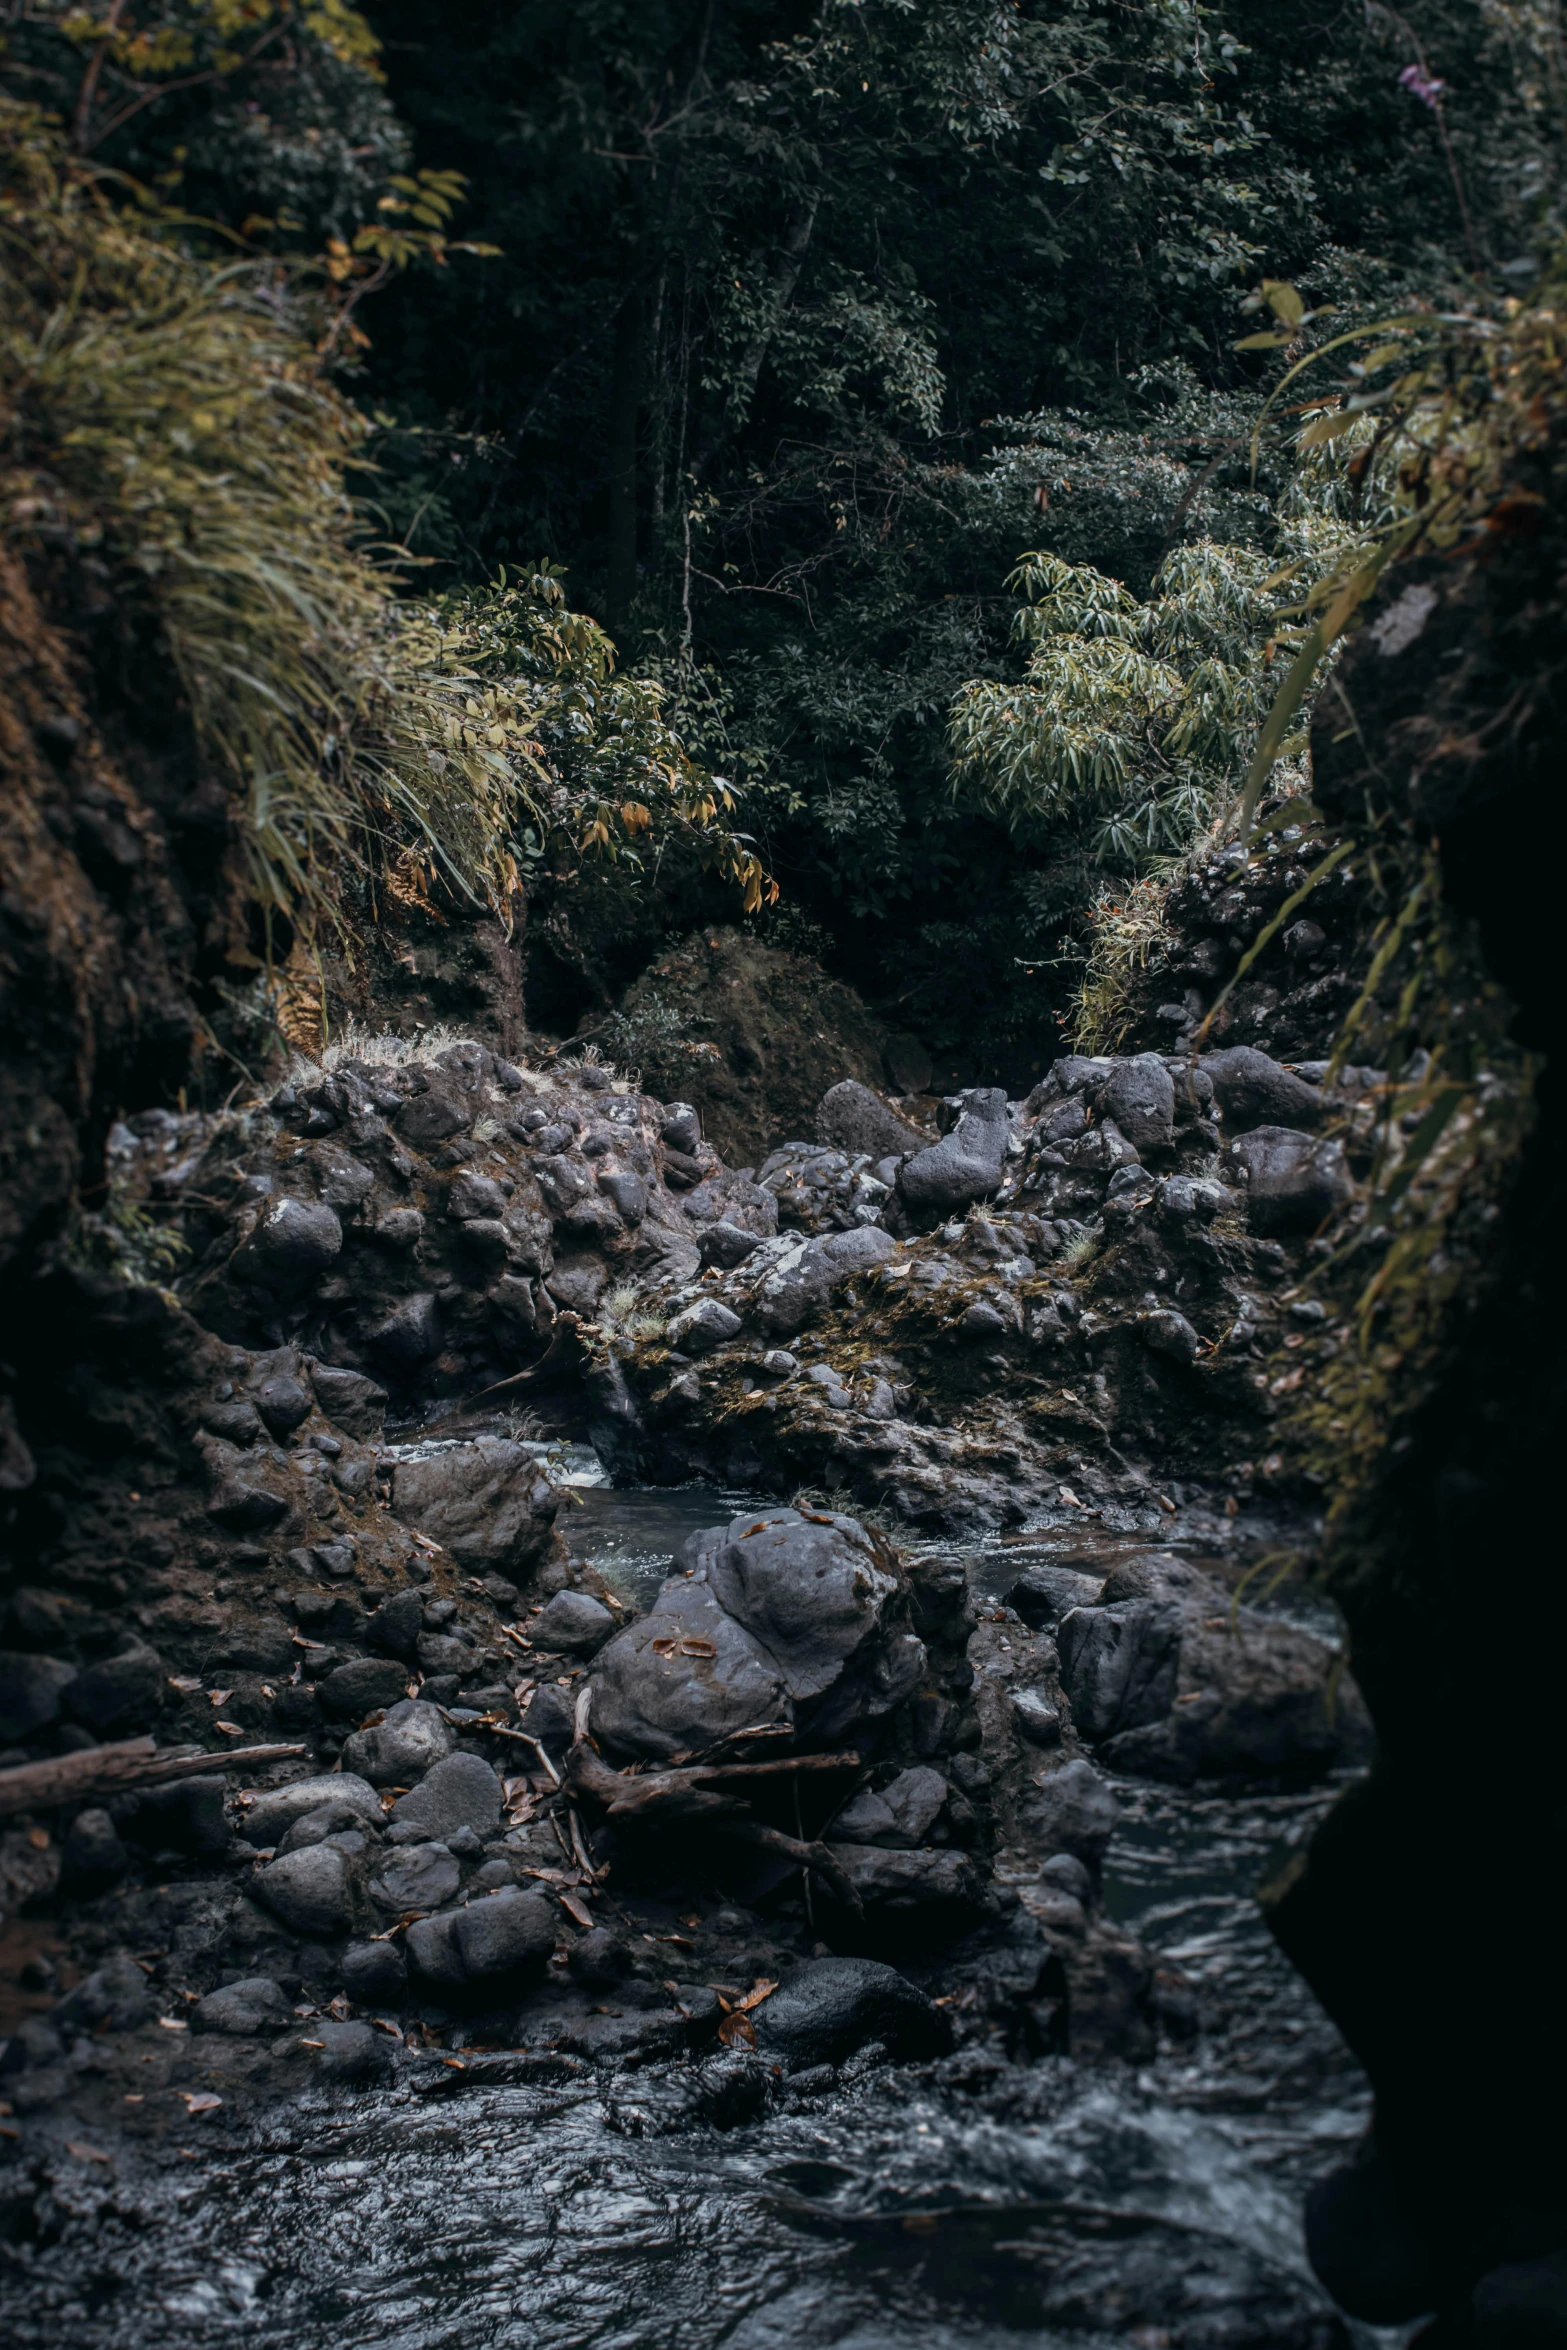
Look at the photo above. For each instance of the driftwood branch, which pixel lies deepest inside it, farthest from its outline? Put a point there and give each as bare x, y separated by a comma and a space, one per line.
663, 1799
104, 1770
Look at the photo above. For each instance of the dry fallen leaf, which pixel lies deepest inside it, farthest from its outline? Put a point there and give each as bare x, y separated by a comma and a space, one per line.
174, 2023
200, 2101
575, 1907
38, 1838
735, 2031
698, 1648
85, 2153
229, 1729
186, 1683
665, 1647
219, 1696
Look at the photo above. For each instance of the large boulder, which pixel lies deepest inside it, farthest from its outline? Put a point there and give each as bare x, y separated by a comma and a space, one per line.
255, 2005
485, 1500
30, 1688
900, 1884
850, 1117
295, 1241
461, 1792
311, 1891
684, 1677
1294, 1182
832, 2006
1254, 1090
827, 1604
1119, 1664
801, 1284
966, 1164
362, 1686
1140, 1100
1072, 1810
119, 1694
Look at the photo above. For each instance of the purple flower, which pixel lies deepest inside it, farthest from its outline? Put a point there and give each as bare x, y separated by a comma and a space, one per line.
1422, 85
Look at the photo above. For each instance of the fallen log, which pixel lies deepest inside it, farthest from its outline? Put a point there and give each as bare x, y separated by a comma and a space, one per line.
105, 1770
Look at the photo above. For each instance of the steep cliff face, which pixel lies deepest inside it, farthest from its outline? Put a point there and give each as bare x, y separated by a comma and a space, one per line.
1424, 1913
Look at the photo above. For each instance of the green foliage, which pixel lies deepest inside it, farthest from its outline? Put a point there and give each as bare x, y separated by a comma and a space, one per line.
174, 412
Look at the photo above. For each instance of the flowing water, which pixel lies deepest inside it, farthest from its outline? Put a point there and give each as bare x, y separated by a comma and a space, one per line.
976, 2204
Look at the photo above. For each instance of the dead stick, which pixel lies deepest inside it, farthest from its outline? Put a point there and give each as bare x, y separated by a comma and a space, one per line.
66, 1778
784, 1762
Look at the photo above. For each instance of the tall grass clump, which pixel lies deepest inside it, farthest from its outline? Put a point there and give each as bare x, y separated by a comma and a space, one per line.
175, 413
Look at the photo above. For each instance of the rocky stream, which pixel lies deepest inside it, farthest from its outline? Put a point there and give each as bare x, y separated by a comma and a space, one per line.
722, 1725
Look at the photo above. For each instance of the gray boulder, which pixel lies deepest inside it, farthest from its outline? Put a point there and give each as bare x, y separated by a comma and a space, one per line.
1140, 1099
269, 1818
311, 1891
373, 1974
256, 2005
850, 1117
1119, 1664
484, 1500
809, 1586
1293, 1181
1035, 1718
409, 1335
966, 1164
395, 1627
904, 1882
830, 2007
573, 1623
800, 1286
461, 1792
1072, 1810
1043, 1594
92, 1856
1254, 1090
1169, 1333
116, 1994
412, 1739
681, 1128
329, 1819
726, 1245
350, 1400
684, 1677
485, 1947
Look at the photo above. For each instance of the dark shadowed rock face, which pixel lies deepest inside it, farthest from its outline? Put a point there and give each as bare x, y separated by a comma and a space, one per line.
833, 2006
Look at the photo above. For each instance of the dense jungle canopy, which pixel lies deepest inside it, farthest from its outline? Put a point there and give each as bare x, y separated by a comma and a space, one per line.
771, 337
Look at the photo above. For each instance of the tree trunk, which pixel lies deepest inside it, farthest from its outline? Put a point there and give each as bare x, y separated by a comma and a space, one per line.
624, 404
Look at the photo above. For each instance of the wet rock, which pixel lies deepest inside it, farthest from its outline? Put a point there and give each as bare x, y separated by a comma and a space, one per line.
1072, 1810
1192, 1199
30, 1688
1293, 1181
902, 1883
573, 1623
328, 1820
362, 1687
120, 1694
854, 1119
626, 1193
966, 1164
236, 1423
485, 1501
92, 1857
295, 1241
373, 1974
550, 1717
269, 1818
351, 2055
284, 1404
703, 1326
1140, 1097
1119, 1664
684, 1677
473, 1196
408, 1336
902, 1814
726, 1245
830, 2007
460, 1792
1066, 1873
812, 1589
311, 1891
255, 2005
492, 1943
800, 1285
414, 1876
1254, 1090
1035, 1718
1042, 1595
599, 1959
350, 1400
394, 1628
